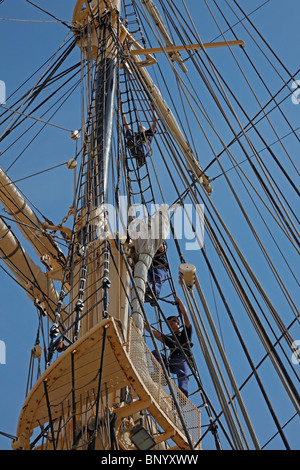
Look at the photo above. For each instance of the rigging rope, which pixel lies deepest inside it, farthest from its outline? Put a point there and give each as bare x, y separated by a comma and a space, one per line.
136, 102
37, 88
45, 11
35, 119
254, 168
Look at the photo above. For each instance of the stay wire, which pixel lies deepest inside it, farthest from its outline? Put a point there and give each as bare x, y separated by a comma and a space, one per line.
261, 181
49, 14
36, 93
266, 116
26, 97
32, 75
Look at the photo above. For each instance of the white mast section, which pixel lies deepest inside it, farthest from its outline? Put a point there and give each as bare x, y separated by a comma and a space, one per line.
146, 245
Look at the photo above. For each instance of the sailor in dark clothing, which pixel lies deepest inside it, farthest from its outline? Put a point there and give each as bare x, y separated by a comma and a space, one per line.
139, 142
158, 272
177, 360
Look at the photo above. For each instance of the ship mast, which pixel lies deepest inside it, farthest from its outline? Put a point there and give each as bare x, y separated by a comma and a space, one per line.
99, 36
100, 378
98, 29
95, 30
103, 353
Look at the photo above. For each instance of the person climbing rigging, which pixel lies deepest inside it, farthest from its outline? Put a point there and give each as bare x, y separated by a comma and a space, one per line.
157, 274
176, 361
139, 142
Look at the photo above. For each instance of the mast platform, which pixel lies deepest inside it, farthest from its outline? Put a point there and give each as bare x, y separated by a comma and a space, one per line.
63, 400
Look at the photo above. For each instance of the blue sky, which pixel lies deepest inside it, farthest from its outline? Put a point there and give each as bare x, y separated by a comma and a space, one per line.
24, 46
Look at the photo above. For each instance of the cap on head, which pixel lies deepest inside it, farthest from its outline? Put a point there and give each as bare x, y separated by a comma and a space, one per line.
173, 317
